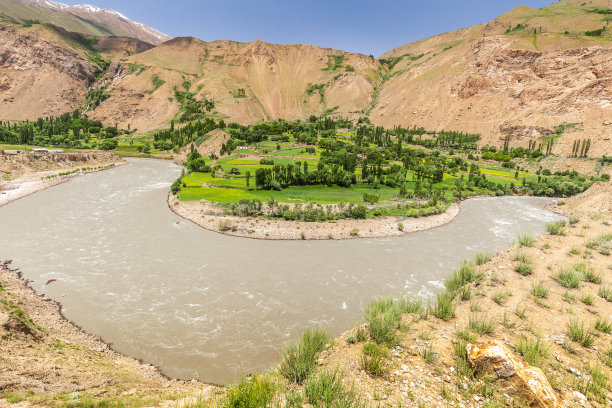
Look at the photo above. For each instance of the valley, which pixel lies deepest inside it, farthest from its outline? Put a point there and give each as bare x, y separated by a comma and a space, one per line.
441, 215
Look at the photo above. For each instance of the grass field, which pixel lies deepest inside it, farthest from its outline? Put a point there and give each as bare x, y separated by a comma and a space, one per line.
228, 188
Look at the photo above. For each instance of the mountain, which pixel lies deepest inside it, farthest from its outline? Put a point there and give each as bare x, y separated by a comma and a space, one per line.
82, 18
527, 74
531, 74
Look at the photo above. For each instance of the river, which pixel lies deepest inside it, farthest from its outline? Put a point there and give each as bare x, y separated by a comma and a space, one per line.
204, 305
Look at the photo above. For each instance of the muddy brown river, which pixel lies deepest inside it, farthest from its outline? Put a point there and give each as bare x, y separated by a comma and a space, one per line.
204, 305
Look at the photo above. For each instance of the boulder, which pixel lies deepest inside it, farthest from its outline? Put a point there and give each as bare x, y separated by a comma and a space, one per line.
514, 376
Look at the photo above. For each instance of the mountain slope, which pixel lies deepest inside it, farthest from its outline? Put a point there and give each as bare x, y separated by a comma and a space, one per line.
248, 82
83, 19
502, 78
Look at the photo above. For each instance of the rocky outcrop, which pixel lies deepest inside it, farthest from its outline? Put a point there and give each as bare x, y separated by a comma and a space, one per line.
514, 376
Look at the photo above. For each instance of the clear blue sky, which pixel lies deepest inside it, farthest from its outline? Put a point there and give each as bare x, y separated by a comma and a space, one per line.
369, 27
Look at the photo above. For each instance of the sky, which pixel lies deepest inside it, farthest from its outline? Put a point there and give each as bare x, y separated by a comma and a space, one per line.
368, 27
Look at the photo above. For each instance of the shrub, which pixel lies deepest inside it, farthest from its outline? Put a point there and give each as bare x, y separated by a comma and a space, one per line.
532, 349
556, 228
299, 359
257, 392
576, 332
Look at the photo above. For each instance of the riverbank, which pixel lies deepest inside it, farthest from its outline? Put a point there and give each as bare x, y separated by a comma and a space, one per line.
207, 215
26, 174
46, 360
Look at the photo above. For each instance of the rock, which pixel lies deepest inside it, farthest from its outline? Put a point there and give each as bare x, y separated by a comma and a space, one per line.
516, 377
579, 396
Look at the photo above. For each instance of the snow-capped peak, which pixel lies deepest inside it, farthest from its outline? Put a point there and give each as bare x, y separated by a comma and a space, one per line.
110, 17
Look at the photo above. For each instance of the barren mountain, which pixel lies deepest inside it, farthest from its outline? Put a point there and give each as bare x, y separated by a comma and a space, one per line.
248, 82
530, 74
521, 75
83, 18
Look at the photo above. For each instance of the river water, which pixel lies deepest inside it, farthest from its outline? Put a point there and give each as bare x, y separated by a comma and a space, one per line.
204, 305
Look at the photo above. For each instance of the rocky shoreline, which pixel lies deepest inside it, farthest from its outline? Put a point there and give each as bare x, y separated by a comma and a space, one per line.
206, 215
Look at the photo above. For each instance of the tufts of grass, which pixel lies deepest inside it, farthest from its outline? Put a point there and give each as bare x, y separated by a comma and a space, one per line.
481, 324
258, 391
606, 293
569, 278
540, 291
375, 359
445, 306
522, 257
556, 228
576, 332
574, 251
524, 269
428, 354
501, 297
384, 316
526, 240
521, 313
299, 359
466, 335
506, 322
603, 325
464, 369
482, 258
326, 390
532, 349
592, 277
461, 277
587, 299
602, 244
573, 219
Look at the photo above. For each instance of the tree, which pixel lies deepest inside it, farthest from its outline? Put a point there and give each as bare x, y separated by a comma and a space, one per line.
248, 179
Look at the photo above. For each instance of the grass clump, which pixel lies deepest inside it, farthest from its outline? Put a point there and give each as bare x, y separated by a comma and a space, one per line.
587, 299
576, 332
606, 293
501, 297
461, 277
299, 359
522, 257
482, 324
482, 258
428, 354
532, 349
375, 359
556, 228
603, 326
592, 277
569, 278
524, 269
526, 240
445, 306
384, 316
256, 392
326, 390
540, 291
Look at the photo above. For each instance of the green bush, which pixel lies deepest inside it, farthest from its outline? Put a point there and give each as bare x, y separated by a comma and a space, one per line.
375, 359
556, 228
299, 359
532, 349
326, 390
257, 392
445, 306
576, 332
569, 278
